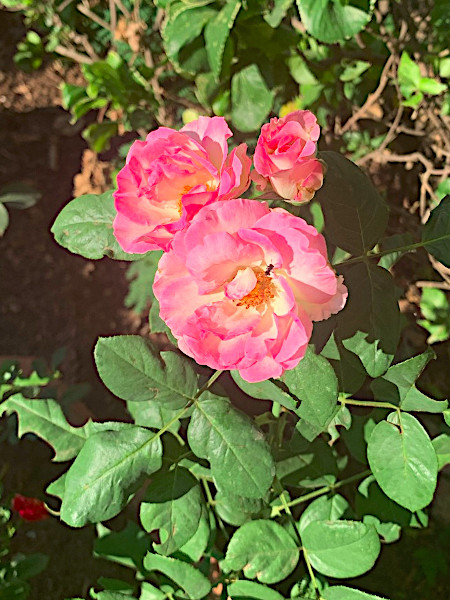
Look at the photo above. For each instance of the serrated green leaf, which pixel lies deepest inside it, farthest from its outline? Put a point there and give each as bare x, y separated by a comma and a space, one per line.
251, 99
403, 461
339, 592
250, 590
314, 383
196, 546
264, 390
341, 548
194, 583
216, 33
436, 232
441, 445
85, 226
355, 214
129, 368
323, 509
346, 365
173, 505
263, 550
46, 419
369, 324
330, 21
240, 458
397, 386
106, 471
235, 509
152, 415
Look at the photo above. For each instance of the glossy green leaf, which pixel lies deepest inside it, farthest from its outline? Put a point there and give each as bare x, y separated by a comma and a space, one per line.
250, 590
46, 419
216, 34
441, 445
355, 214
388, 532
129, 368
403, 461
251, 99
235, 509
323, 509
187, 577
339, 592
173, 506
240, 458
314, 383
85, 226
397, 386
263, 550
183, 26
436, 232
341, 548
333, 21
371, 500
369, 324
106, 471
264, 390
432, 87
278, 12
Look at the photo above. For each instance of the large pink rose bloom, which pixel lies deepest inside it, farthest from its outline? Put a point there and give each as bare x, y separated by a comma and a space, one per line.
241, 286
170, 176
285, 157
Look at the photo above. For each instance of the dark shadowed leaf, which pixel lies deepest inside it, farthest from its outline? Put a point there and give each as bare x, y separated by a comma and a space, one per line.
187, 577
369, 324
436, 232
355, 214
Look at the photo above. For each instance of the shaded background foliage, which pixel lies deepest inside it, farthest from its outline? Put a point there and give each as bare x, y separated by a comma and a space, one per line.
378, 84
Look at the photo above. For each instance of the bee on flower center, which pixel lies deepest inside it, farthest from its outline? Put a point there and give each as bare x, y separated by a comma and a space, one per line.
268, 269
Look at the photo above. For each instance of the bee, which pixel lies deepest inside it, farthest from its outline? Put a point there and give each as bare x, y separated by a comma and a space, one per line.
268, 269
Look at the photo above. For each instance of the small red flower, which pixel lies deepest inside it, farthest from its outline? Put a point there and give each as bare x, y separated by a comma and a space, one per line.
30, 509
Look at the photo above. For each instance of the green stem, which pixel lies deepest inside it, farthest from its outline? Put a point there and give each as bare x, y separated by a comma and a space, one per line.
208, 384
276, 510
368, 403
311, 574
368, 256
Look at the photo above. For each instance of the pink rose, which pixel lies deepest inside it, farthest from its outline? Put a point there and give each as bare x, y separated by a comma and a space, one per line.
241, 286
170, 176
285, 156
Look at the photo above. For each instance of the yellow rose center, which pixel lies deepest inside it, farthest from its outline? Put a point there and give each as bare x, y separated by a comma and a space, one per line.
260, 294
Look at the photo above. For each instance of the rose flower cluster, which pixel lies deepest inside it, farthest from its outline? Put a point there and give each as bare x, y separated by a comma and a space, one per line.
239, 284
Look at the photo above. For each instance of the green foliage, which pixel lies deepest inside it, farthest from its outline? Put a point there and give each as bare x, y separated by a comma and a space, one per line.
436, 232
412, 85
18, 195
85, 227
330, 21
435, 309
